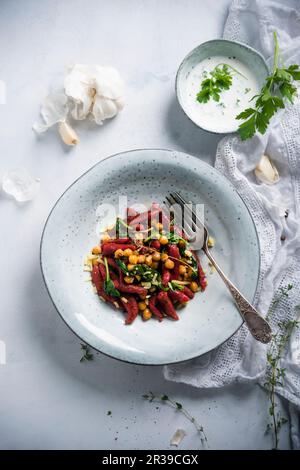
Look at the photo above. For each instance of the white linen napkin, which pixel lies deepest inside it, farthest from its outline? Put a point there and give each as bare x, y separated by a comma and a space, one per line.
241, 358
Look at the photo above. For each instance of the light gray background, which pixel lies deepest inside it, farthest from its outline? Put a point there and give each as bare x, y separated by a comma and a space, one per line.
48, 398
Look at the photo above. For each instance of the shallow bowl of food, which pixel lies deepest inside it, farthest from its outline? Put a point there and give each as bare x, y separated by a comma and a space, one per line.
76, 223
216, 82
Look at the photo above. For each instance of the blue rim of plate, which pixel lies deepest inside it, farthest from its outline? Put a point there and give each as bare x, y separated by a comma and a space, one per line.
246, 46
72, 184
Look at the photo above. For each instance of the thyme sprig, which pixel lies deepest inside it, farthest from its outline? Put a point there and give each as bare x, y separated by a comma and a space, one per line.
165, 399
86, 353
276, 373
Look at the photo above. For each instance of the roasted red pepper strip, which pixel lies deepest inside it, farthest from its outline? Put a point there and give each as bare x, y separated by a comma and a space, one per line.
167, 305
166, 276
119, 241
153, 308
144, 216
201, 273
113, 264
155, 244
99, 282
109, 248
178, 296
188, 292
129, 288
173, 251
131, 307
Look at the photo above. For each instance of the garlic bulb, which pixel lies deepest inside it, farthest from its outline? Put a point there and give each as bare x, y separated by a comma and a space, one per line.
265, 171
68, 134
94, 91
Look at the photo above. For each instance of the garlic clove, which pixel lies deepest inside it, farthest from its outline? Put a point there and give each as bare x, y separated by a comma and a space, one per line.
265, 171
53, 109
177, 437
68, 134
104, 108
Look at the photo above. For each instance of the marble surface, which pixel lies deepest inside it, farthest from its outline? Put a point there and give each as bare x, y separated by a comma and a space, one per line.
48, 398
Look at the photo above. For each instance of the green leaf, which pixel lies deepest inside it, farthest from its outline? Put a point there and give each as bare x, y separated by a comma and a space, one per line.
294, 71
246, 130
245, 114
261, 122
122, 265
110, 289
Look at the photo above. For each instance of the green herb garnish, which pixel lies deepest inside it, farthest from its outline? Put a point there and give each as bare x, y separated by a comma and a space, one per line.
166, 400
109, 286
86, 355
276, 373
220, 79
278, 88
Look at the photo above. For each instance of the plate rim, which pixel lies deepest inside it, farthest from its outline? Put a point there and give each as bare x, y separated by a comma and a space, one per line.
170, 151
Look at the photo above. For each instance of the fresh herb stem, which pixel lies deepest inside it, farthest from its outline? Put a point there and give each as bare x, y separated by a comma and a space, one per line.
151, 397
86, 353
278, 88
275, 373
232, 68
276, 52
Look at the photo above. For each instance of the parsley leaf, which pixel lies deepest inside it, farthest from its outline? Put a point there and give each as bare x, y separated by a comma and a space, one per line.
109, 286
278, 87
220, 80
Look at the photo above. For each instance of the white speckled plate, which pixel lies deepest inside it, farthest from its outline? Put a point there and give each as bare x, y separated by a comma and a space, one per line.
146, 176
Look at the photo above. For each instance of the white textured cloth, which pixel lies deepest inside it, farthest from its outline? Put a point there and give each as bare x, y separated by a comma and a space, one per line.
241, 358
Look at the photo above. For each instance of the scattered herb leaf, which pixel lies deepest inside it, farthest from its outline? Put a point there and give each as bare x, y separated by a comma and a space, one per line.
86, 353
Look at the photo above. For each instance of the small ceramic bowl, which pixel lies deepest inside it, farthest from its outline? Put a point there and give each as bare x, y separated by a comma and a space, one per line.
248, 56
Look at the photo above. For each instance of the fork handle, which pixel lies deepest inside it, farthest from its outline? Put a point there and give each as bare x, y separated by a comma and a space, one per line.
257, 325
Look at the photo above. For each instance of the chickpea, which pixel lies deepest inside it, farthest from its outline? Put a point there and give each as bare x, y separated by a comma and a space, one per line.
127, 252
156, 256
130, 267
210, 242
164, 257
128, 279
155, 265
194, 286
105, 237
159, 226
138, 277
142, 305
96, 250
181, 243
148, 260
182, 269
147, 314
119, 253
141, 259
163, 240
133, 259
169, 264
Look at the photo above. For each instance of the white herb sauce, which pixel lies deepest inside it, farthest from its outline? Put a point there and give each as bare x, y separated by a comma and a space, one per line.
220, 116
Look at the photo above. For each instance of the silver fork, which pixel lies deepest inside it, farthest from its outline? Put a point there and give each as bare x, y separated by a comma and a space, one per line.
257, 325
